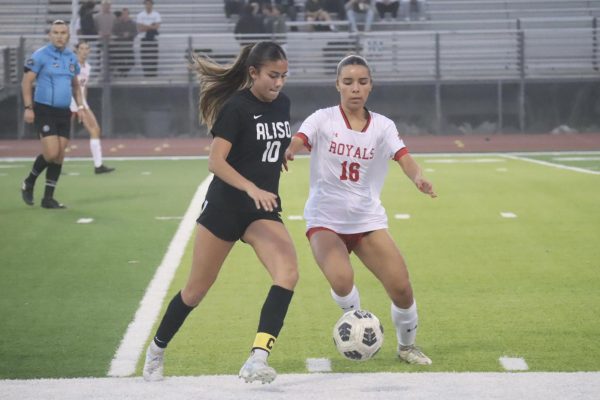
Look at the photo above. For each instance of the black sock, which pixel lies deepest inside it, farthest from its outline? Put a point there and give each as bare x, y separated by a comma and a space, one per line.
52, 175
39, 165
176, 313
271, 317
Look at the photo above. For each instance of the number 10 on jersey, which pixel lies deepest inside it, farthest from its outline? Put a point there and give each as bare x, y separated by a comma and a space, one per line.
271, 153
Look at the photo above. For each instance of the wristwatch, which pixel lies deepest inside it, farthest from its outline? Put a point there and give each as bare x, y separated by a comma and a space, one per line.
29, 107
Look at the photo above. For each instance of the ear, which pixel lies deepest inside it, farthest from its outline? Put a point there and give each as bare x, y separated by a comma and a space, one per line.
337, 85
253, 72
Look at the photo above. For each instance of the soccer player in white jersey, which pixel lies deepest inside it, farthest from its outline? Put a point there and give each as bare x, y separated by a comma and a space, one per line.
350, 152
82, 49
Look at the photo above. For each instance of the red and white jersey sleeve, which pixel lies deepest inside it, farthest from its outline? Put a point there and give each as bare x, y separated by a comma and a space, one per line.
348, 169
83, 78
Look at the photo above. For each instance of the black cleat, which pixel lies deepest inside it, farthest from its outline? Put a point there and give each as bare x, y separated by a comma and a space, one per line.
27, 194
51, 203
103, 169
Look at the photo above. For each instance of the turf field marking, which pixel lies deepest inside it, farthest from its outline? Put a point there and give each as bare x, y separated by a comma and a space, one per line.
402, 216
128, 353
549, 164
329, 386
501, 169
146, 173
508, 214
85, 220
429, 170
295, 217
167, 218
514, 363
318, 365
461, 161
576, 158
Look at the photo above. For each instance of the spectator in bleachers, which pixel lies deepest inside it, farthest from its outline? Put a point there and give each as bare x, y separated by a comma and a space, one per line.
86, 24
249, 22
273, 19
288, 9
335, 8
408, 8
314, 11
362, 10
233, 7
125, 32
104, 21
387, 6
148, 23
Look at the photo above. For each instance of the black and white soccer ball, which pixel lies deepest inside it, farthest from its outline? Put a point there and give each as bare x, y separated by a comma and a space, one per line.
358, 335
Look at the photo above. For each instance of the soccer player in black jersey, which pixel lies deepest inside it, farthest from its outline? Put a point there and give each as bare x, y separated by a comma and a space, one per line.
248, 117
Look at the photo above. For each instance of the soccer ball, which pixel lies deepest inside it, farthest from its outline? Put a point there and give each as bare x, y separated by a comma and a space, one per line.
358, 335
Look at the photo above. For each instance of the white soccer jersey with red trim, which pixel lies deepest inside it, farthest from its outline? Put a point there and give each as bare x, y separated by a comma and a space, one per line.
347, 170
83, 78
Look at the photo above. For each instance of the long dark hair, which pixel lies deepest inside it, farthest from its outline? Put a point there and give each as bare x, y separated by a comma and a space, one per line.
218, 83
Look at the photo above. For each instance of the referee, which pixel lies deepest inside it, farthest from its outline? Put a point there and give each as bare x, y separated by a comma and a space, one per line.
54, 68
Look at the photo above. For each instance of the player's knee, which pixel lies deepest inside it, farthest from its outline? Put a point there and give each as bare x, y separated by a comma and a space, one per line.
401, 293
288, 277
191, 298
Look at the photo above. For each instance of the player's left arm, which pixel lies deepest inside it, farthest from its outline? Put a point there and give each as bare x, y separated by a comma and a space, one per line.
413, 171
76, 93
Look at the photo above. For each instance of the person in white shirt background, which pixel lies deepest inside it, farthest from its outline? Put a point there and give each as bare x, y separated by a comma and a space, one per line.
350, 151
148, 23
87, 118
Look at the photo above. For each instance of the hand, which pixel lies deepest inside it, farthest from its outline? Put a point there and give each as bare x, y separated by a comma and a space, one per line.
425, 187
288, 156
28, 115
80, 114
262, 199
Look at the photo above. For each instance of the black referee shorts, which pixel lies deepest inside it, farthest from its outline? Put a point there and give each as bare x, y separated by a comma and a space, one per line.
50, 121
230, 225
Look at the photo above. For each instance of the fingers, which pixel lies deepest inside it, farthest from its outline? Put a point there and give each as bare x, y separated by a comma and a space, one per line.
265, 200
427, 188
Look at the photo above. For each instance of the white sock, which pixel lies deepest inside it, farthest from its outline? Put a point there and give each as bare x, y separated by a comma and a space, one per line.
349, 302
260, 354
406, 322
96, 150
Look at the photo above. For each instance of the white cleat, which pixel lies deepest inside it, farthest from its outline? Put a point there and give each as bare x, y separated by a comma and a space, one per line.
255, 369
413, 355
153, 366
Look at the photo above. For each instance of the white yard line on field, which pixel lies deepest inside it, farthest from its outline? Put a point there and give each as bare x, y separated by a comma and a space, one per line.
319, 386
549, 164
128, 353
514, 363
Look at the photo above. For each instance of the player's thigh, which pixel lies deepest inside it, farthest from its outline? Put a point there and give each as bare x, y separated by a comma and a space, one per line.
209, 255
53, 147
381, 256
274, 248
331, 254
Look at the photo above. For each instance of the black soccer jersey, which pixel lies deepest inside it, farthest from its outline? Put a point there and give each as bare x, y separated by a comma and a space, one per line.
259, 133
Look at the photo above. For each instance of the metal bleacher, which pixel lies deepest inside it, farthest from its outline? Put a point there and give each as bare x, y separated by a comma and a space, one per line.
462, 40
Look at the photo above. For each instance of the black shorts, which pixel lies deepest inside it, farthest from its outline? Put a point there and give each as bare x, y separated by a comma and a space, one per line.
230, 225
50, 121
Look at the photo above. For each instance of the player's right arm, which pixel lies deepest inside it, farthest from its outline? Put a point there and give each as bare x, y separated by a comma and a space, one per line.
218, 165
295, 145
27, 91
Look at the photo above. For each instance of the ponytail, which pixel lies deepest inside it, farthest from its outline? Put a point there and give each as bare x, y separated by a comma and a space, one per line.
218, 83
